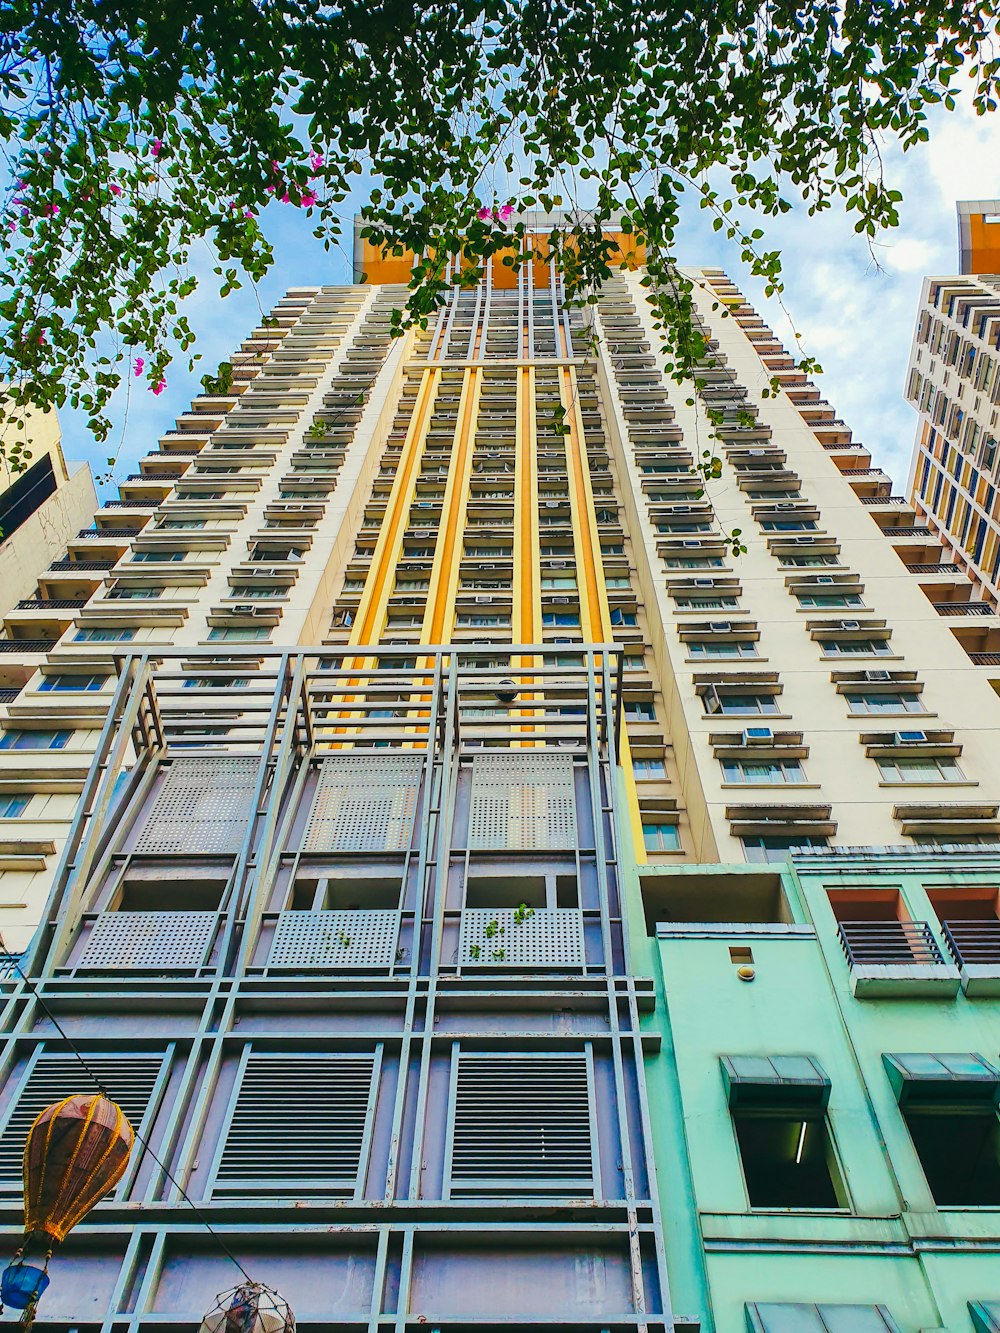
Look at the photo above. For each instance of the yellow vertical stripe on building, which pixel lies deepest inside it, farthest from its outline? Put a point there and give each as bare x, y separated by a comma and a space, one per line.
373, 606
439, 617
595, 613
526, 588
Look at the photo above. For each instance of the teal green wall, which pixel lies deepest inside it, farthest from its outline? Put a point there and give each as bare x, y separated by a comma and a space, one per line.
893, 1247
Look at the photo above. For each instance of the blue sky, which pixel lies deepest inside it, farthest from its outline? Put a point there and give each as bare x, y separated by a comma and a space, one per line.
854, 314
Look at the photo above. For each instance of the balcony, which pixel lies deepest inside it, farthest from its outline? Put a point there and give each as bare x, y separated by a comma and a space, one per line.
975, 947
964, 608
896, 958
335, 941
545, 937
151, 943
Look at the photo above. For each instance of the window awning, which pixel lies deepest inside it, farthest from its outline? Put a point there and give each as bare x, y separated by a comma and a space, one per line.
775, 1081
922, 1079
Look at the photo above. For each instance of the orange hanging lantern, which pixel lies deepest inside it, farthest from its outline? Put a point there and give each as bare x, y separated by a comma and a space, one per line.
76, 1153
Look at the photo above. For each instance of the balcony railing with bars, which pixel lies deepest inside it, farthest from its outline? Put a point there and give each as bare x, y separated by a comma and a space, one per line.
975, 943
881, 943
964, 609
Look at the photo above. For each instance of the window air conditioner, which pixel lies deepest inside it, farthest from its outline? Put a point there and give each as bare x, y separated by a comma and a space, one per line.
702, 583
824, 578
910, 738
879, 675
850, 624
758, 736
720, 626
243, 609
484, 599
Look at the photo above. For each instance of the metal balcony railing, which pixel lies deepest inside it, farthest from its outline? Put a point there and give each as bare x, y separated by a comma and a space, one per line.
906, 532
51, 604
26, 645
868, 943
974, 942
964, 609
108, 534
985, 659
82, 566
942, 568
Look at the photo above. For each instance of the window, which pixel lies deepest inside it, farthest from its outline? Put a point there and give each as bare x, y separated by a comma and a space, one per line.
142, 557
775, 847
719, 603
931, 768
620, 617
856, 648
694, 562
102, 635
639, 710
778, 1105
561, 582
825, 601
180, 523
216, 683
789, 525
249, 590
559, 618
892, 702
649, 769
807, 561
721, 648
12, 806
612, 581
949, 1104
72, 683
762, 770
135, 594
34, 740
239, 633
661, 837
740, 703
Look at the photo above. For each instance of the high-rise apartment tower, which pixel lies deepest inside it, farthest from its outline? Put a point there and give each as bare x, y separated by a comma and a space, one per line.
497, 904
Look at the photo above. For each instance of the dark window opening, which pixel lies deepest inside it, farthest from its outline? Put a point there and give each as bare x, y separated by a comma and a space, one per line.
788, 1160
959, 1150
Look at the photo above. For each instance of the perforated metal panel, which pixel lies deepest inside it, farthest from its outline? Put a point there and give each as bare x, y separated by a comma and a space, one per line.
298, 1125
522, 1125
151, 941
128, 1080
202, 807
356, 938
363, 803
548, 937
522, 802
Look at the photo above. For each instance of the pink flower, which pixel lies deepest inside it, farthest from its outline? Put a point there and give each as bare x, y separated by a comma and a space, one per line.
484, 214
12, 226
308, 199
139, 364
249, 213
315, 160
53, 210
41, 338
506, 212
159, 386
157, 145
270, 189
286, 198
116, 189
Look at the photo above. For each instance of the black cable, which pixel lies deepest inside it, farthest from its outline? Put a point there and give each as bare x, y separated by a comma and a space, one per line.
13, 958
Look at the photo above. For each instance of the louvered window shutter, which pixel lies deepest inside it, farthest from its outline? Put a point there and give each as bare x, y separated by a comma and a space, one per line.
202, 807
522, 1125
128, 1080
298, 1125
363, 803
522, 802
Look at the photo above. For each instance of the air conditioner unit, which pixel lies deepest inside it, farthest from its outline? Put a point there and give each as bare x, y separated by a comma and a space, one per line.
824, 578
803, 541
879, 675
684, 509
850, 624
758, 736
243, 609
910, 738
720, 626
692, 543
552, 504
560, 601
558, 564
756, 453
483, 599
702, 583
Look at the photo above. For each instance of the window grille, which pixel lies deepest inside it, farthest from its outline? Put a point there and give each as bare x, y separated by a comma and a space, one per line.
522, 802
521, 1125
202, 808
319, 1150
363, 803
128, 1079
